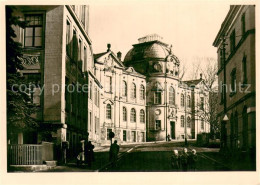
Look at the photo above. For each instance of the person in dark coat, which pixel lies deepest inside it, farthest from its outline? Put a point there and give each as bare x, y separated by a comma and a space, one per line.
192, 160
175, 160
113, 153
89, 153
184, 159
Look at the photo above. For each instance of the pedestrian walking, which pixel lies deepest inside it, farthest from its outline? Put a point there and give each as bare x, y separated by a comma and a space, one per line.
80, 158
184, 159
113, 153
89, 149
168, 137
175, 160
192, 160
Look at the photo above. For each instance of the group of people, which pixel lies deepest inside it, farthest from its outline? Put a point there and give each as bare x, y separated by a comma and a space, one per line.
86, 156
185, 161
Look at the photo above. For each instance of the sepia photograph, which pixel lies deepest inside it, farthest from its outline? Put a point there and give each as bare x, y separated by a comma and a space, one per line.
130, 87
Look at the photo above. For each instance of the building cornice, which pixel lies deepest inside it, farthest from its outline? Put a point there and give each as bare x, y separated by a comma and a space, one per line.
226, 23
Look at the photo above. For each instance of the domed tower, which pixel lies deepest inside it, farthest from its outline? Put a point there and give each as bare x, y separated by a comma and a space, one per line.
154, 59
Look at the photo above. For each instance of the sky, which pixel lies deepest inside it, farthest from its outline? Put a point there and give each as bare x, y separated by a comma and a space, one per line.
189, 26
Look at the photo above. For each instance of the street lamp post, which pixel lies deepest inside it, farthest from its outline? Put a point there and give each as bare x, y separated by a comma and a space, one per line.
225, 118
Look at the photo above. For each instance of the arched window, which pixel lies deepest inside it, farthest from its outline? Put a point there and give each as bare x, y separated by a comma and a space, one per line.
133, 91
182, 121
171, 96
142, 92
108, 112
142, 116
188, 122
182, 100
124, 89
133, 115
188, 101
124, 114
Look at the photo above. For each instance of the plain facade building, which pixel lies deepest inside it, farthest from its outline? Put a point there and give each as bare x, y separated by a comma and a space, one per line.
57, 56
235, 42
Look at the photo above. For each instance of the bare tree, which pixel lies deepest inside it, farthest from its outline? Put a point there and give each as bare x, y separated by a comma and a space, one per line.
209, 76
183, 69
209, 72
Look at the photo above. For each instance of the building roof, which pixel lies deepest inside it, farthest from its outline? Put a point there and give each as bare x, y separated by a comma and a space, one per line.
96, 56
191, 83
150, 49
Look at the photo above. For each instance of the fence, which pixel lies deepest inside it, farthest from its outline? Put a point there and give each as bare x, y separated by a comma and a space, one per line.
25, 154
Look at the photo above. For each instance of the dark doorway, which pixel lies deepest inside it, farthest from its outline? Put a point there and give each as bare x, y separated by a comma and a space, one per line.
172, 129
245, 128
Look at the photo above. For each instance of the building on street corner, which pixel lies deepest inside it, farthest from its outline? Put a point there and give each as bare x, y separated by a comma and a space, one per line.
235, 42
174, 108
58, 59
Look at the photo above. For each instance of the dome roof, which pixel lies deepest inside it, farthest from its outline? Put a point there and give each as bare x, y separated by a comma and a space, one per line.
152, 49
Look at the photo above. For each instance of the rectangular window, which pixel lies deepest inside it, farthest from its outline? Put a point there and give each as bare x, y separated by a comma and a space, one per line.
68, 50
243, 24
142, 137
201, 103
202, 124
244, 70
233, 80
221, 58
85, 59
157, 98
108, 131
109, 84
182, 121
90, 90
133, 134
158, 125
90, 120
96, 124
124, 135
33, 31
79, 52
33, 80
74, 46
232, 41
222, 93
98, 99
96, 96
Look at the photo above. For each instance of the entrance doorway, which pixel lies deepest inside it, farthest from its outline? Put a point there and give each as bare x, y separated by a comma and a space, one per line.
172, 129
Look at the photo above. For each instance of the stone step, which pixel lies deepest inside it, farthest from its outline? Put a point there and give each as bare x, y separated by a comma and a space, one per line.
51, 163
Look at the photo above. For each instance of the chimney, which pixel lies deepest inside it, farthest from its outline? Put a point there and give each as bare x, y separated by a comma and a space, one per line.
108, 47
119, 55
201, 76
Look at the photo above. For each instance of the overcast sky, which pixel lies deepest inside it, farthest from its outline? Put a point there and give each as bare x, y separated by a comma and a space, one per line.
190, 27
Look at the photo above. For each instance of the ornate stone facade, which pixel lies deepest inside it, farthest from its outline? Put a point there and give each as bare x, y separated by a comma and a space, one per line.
171, 103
